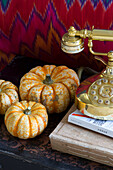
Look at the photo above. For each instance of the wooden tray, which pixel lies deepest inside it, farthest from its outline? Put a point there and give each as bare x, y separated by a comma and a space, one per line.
75, 140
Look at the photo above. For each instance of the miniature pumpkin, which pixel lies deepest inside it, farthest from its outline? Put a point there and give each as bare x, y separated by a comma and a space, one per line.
26, 119
52, 86
8, 95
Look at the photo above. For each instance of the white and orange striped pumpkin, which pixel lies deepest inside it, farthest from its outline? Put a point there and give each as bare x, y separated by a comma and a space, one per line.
52, 86
26, 119
8, 95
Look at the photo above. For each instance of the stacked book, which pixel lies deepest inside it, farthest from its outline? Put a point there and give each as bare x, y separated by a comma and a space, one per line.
101, 126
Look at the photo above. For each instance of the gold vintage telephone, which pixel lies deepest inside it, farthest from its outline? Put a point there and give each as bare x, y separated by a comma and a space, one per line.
94, 97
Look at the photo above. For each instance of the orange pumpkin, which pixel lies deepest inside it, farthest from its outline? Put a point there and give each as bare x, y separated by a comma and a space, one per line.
26, 119
8, 95
52, 86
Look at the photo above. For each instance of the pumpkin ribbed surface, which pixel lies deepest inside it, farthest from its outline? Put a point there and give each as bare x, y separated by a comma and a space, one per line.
52, 86
8, 95
26, 119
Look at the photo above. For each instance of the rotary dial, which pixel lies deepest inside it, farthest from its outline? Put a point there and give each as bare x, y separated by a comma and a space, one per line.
100, 92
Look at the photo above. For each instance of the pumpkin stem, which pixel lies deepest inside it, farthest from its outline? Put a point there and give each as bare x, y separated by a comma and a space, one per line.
48, 79
27, 111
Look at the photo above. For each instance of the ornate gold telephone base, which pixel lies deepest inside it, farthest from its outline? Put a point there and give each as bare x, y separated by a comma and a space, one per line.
94, 96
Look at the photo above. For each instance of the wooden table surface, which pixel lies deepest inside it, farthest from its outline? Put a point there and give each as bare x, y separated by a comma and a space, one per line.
38, 150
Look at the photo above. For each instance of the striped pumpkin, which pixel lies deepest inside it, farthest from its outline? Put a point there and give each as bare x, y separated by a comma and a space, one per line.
26, 119
52, 86
8, 95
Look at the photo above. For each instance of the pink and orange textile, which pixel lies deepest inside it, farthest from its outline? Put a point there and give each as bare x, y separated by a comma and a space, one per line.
34, 28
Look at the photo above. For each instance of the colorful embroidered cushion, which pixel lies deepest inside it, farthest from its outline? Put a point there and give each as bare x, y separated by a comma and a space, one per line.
35, 28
